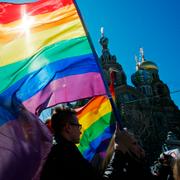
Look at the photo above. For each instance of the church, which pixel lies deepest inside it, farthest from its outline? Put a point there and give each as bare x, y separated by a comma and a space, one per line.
146, 108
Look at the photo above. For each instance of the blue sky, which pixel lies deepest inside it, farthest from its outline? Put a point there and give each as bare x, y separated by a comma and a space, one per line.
131, 24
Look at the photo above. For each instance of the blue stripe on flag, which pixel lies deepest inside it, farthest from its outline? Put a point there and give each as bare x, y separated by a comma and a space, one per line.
92, 150
36, 81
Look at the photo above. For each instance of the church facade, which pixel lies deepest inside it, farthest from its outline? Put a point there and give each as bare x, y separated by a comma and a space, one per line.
146, 108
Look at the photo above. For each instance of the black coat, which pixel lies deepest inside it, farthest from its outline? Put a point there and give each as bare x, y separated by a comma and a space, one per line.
66, 162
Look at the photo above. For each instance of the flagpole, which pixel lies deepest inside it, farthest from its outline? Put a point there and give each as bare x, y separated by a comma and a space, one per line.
117, 115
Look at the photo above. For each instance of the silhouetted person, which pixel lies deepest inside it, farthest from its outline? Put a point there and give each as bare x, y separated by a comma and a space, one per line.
65, 160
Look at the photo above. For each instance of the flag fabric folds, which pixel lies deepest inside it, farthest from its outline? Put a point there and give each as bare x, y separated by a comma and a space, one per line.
46, 57
98, 125
24, 143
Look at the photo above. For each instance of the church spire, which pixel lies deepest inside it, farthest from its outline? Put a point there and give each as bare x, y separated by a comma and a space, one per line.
142, 54
137, 62
104, 40
102, 31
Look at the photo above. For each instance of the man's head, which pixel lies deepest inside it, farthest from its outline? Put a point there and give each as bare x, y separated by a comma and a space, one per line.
65, 123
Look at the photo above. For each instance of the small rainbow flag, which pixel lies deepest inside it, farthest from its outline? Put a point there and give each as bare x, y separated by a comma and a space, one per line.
98, 126
45, 57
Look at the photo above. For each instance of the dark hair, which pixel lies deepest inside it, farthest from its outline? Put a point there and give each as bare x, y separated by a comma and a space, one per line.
60, 117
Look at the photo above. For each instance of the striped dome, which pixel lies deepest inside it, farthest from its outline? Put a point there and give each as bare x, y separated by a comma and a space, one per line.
141, 77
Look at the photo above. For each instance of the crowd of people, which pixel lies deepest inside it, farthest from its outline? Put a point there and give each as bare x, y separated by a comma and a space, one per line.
125, 158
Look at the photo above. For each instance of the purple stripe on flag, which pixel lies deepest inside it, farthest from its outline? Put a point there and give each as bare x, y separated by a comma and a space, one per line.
66, 90
24, 144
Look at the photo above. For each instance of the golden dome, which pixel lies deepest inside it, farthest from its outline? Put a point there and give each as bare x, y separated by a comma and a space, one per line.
148, 65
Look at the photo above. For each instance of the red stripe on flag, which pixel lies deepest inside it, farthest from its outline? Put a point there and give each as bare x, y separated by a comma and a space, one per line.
12, 12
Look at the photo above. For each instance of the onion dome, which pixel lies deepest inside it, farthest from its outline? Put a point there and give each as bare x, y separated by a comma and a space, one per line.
146, 71
148, 65
145, 64
141, 77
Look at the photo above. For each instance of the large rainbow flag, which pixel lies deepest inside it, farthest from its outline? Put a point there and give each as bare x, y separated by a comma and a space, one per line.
45, 57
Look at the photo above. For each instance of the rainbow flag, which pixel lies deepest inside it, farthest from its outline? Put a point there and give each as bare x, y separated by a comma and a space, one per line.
98, 125
45, 57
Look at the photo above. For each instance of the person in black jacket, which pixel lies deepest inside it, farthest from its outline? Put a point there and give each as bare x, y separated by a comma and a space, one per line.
65, 160
127, 160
